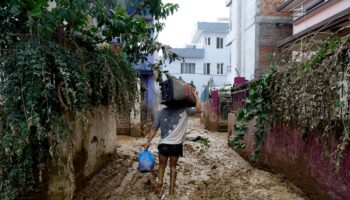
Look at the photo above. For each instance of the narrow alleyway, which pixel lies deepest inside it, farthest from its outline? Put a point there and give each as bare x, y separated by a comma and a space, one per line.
205, 172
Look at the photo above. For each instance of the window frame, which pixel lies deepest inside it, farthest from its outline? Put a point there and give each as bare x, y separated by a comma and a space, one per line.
188, 68
207, 41
219, 43
220, 68
206, 68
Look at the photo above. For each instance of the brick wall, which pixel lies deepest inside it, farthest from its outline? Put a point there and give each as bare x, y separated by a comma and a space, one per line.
269, 7
269, 35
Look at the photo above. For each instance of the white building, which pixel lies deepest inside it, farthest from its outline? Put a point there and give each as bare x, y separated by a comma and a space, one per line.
255, 29
208, 57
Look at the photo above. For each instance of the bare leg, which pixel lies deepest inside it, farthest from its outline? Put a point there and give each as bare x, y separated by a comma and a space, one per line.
173, 163
163, 160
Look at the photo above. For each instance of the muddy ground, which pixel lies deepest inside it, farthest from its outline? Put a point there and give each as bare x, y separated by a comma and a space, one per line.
211, 171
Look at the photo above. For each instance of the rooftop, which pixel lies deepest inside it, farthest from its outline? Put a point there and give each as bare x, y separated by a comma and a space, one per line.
212, 26
216, 27
189, 52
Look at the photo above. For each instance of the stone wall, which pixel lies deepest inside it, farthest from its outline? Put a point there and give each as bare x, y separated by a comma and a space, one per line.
90, 147
301, 160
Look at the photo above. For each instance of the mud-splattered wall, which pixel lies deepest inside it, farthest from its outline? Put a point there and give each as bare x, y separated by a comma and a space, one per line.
86, 152
302, 160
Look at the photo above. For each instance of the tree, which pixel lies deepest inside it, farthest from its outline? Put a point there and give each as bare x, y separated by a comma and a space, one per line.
54, 62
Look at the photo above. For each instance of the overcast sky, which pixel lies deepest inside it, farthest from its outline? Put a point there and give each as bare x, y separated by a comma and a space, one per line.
180, 26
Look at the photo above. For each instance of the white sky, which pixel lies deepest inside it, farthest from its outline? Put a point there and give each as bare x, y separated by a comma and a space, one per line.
180, 27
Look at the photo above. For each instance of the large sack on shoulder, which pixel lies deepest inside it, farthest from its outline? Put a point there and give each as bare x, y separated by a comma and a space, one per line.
176, 92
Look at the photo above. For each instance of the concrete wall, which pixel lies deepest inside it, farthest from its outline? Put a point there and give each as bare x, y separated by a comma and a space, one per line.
93, 141
232, 40
241, 38
135, 117
301, 160
233, 61
248, 50
249, 37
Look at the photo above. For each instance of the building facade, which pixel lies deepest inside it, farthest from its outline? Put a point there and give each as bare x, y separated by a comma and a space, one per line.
327, 17
138, 122
255, 28
207, 59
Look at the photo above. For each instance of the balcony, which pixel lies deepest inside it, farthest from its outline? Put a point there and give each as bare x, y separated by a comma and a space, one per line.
331, 16
318, 12
143, 69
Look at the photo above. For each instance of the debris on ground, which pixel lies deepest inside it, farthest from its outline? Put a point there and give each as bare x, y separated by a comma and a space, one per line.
217, 173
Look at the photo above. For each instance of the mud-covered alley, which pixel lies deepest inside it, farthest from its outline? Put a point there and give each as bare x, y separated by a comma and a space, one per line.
207, 171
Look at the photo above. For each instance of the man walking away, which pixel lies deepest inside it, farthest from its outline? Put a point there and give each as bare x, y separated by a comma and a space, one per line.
172, 122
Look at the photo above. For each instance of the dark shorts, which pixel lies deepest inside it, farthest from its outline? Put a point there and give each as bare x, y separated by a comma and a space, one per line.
170, 149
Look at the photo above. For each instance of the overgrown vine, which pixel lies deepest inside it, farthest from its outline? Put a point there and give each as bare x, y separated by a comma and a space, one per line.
258, 106
311, 93
56, 65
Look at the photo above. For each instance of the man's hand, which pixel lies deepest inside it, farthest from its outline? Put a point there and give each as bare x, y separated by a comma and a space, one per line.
151, 135
195, 93
146, 146
198, 102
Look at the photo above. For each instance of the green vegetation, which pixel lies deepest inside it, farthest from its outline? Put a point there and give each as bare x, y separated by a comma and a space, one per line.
258, 107
205, 144
311, 93
55, 66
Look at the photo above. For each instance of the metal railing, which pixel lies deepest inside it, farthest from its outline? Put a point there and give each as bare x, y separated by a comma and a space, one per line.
238, 94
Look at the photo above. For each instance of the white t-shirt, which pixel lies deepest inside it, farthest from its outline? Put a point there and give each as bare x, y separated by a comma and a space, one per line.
173, 124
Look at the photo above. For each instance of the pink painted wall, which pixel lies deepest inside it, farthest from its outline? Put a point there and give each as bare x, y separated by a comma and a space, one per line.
302, 161
215, 104
320, 14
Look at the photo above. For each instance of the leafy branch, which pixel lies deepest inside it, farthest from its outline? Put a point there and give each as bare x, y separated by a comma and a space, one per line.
258, 107
56, 61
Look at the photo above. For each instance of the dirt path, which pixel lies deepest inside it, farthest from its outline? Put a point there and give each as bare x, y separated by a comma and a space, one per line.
216, 172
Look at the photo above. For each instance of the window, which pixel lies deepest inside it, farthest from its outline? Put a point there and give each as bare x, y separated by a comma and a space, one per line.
206, 68
207, 41
219, 43
188, 68
220, 68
